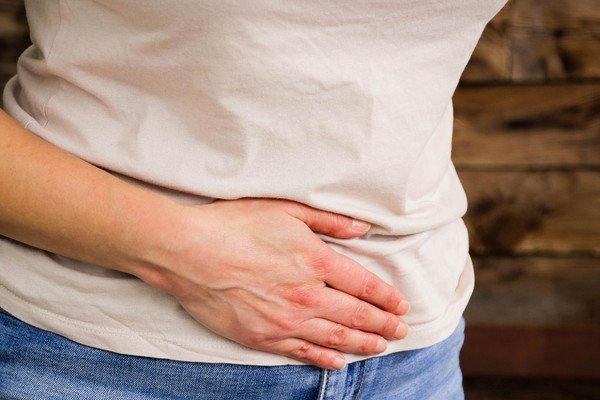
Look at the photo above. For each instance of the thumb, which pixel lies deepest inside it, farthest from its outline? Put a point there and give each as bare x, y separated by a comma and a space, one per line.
330, 223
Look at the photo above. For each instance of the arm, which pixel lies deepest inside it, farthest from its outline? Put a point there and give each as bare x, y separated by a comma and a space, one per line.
55, 201
293, 295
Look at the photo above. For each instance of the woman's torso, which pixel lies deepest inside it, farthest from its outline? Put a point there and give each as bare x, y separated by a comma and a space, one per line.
341, 105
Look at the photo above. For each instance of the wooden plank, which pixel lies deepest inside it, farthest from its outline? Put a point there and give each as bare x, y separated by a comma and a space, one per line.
555, 39
539, 40
14, 36
12, 18
531, 351
9, 5
559, 55
537, 291
551, 15
528, 213
534, 316
491, 59
526, 126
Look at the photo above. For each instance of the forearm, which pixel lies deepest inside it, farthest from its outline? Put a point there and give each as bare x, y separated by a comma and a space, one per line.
55, 201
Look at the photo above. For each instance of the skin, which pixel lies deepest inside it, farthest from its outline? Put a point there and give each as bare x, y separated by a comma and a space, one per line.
255, 262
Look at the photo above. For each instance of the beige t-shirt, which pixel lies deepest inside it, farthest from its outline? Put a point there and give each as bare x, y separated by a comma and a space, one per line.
344, 105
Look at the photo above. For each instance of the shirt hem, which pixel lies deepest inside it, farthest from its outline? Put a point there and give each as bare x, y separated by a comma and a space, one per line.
145, 344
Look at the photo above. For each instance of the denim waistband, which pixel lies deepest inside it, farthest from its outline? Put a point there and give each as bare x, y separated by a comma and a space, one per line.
30, 358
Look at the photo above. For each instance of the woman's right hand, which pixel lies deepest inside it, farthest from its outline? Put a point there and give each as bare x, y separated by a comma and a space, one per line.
252, 270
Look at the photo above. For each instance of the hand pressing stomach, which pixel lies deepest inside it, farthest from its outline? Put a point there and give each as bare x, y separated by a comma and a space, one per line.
252, 270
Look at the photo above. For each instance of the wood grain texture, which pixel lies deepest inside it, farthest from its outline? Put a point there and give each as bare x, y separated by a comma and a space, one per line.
527, 126
528, 213
537, 41
14, 37
538, 56
551, 15
531, 351
535, 291
492, 58
534, 317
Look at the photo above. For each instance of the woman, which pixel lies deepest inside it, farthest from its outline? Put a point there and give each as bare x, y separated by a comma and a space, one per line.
219, 199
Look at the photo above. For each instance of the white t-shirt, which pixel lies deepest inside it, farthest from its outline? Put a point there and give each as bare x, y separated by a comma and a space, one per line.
344, 105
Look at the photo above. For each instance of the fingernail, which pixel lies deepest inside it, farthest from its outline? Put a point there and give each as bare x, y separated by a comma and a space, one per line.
401, 331
403, 307
360, 226
339, 362
381, 345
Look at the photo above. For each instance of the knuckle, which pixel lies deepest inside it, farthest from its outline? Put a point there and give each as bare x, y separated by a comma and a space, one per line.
322, 358
369, 286
302, 352
369, 344
360, 316
337, 336
320, 261
302, 296
390, 325
363, 347
394, 300
341, 221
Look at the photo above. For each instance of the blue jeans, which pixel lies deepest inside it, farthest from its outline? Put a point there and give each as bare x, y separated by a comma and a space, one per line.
37, 364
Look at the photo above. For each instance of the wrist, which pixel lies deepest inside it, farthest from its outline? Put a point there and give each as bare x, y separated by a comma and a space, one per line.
173, 240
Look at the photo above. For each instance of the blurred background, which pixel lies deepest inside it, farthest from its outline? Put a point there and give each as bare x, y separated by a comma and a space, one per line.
527, 149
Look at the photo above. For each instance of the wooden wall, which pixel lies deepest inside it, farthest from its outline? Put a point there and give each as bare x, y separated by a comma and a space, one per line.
14, 37
527, 148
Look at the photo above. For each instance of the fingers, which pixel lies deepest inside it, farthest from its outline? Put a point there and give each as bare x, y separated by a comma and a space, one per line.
337, 336
347, 275
326, 222
309, 353
347, 310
